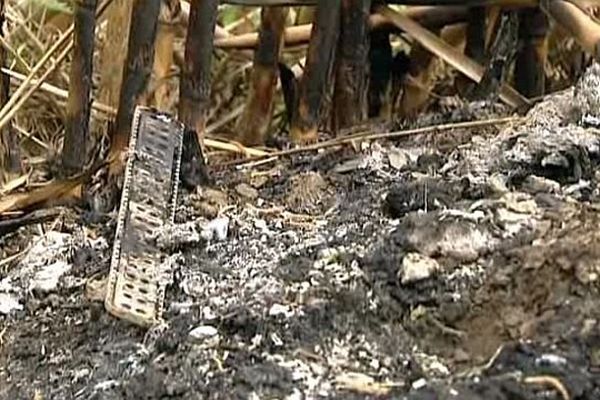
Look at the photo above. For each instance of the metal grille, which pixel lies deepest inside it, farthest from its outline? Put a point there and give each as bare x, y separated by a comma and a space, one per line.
139, 271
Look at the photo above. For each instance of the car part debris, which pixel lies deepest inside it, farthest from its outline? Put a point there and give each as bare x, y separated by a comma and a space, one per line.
139, 271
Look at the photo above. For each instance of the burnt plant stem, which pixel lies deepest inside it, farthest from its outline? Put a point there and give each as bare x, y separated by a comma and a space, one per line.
254, 124
474, 46
380, 69
10, 158
350, 101
138, 67
78, 107
194, 91
476, 28
318, 73
530, 77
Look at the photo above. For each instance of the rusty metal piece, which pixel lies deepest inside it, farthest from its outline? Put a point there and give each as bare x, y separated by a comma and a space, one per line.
139, 272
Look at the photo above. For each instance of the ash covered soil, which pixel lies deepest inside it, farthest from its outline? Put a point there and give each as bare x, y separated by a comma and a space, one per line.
454, 265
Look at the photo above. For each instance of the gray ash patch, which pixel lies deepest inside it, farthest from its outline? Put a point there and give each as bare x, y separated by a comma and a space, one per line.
338, 298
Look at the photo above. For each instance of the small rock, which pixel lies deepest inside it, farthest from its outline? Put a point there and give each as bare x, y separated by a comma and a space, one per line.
416, 267
398, 158
203, 332
246, 191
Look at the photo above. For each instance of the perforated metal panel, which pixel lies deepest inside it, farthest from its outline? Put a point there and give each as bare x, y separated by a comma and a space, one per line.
139, 271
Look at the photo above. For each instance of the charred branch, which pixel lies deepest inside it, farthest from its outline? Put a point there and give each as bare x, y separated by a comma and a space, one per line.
532, 54
254, 124
138, 67
380, 69
78, 106
475, 44
318, 74
349, 104
501, 56
194, 91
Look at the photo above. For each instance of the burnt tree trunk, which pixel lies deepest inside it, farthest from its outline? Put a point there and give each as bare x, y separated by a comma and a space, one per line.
194, 91
350, 96
530, 77
254, 124
318, 74
10, 157
138, 68
78, 108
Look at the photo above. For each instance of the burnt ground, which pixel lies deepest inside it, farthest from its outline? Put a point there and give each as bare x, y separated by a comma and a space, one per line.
458, 265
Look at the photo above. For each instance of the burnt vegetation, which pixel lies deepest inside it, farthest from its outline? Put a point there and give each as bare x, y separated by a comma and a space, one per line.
379, 198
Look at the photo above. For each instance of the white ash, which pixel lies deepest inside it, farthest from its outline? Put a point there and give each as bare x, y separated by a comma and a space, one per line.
216, 229
46, 278
176, 235
44, 264
587, 96
9, 302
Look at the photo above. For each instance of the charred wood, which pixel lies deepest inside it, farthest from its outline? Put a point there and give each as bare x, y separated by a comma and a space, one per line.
318, 74
138, 68
194, 91
78, 107
380, 70
349, 103
532, 54
254, 124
